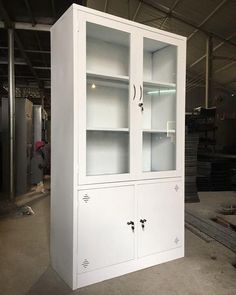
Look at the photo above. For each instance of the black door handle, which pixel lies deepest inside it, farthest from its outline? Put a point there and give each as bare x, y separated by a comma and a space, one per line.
130, 223
141, 92
134, 92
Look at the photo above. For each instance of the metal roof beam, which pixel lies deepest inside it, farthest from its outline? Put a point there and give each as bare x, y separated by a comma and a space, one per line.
137, 10
225, 67
177, 16
173, 6
9, 24
214, 49
224, 57
207, 18
53, 8
26, 77
17, 61
200, 81
28, 26
151, 20
106, 6
28, 50
30, 13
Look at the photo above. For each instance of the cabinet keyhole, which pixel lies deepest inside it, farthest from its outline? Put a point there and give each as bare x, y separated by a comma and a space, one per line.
132, 225
142, 221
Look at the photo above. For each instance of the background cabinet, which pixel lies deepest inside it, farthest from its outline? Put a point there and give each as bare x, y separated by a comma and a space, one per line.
118, 104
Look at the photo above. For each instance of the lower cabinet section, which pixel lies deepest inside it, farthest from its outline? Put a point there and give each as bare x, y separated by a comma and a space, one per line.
133, 226
160, 213
104, 235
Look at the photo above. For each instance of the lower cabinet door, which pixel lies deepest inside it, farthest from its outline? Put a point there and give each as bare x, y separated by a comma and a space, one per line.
104, 237
160, 214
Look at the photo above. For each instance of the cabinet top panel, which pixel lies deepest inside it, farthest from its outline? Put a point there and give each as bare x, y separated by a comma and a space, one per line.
94, 12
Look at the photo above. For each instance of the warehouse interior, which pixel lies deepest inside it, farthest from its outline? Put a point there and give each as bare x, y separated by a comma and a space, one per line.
209, 265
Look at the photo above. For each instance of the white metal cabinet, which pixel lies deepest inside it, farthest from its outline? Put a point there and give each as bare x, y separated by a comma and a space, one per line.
160, 213
104, 235
118, 102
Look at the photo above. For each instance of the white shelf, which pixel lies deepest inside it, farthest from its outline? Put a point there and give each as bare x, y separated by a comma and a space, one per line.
159, 84
158, 131
95, 75
108, 129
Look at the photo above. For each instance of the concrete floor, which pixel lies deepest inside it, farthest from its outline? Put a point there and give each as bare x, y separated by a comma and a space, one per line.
210, 203
24, 265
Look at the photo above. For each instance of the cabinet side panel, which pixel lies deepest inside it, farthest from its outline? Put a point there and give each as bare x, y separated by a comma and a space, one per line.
62, 147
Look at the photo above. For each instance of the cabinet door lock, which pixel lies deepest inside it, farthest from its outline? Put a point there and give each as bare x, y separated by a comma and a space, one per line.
142, 221
132, 225
141, 106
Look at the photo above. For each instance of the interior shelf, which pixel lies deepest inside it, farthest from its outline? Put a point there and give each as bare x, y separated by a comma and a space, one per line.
158, 84
158, 131
103, 76
108, 129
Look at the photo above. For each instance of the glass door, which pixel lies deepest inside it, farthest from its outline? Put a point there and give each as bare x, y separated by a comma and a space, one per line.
158, 107
107, 101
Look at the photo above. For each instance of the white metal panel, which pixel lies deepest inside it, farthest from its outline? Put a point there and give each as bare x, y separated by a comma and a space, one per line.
164, 65
69, 104
62, 156
107, 152
147, 152
104, 237
133, 24
147, 113
161, 204
107, 107
163, 152
147, 66
107, 58
120, 269
163, 110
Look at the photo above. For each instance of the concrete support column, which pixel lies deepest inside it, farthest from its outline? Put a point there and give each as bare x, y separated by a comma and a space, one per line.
11, 108
208, 84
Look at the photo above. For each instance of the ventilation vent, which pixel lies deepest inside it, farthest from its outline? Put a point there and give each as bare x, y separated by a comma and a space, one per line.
85, 263
86, 198
176, 188
176, 240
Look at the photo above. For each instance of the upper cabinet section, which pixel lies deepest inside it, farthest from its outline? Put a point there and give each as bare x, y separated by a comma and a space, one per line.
129, 98
107, 100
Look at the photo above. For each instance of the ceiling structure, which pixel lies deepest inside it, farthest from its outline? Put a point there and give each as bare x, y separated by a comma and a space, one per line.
197, 20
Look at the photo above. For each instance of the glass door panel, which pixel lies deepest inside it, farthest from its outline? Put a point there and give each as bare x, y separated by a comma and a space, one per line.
159, 106
107, 103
